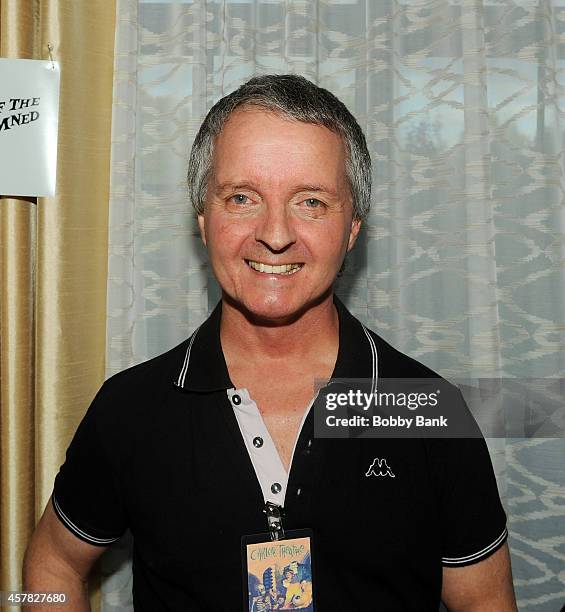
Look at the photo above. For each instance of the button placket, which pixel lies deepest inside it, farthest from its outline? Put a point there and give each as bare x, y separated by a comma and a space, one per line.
267, 464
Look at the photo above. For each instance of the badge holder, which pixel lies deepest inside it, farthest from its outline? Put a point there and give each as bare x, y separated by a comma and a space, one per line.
277, 567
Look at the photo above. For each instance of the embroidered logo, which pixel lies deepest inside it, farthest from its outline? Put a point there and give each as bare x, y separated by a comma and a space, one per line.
379, 467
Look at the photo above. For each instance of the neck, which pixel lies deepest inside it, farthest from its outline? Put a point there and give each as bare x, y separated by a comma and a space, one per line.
312, 334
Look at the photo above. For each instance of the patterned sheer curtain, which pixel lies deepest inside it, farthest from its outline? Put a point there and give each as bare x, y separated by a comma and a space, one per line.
461, 263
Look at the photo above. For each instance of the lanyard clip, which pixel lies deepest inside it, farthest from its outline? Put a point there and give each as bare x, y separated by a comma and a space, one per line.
274, 520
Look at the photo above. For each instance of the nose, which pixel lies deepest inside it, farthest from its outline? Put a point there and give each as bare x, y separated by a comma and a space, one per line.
275, 229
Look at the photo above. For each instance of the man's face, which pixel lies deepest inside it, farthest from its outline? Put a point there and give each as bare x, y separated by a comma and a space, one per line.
278, 219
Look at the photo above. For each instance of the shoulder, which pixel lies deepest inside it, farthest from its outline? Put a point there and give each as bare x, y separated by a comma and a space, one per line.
399, 371
151, 375
127, 404
139, 390
396, 364
363, 350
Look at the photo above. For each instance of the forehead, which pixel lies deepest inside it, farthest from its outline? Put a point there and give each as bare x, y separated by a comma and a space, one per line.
257, 144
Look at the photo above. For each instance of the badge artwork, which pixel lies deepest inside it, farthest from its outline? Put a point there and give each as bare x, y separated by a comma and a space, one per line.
279, 575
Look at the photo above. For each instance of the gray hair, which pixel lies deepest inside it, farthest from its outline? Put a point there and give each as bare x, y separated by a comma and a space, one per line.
295, 97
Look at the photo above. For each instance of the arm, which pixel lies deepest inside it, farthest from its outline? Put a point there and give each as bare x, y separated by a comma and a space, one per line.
58, 561
482, 587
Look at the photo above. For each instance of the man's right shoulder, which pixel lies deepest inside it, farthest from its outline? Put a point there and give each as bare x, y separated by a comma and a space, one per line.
151, 378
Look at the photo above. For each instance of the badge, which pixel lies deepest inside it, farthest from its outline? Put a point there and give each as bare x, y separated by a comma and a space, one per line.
278, 574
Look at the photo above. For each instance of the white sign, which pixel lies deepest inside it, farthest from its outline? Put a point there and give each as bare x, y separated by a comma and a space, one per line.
29, 120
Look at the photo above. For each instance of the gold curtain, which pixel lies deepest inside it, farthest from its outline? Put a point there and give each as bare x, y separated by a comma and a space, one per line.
53, 266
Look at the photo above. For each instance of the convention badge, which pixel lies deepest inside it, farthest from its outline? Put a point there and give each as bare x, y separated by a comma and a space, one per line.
277, 574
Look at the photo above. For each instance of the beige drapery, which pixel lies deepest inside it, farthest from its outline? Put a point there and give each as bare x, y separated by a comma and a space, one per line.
53, 266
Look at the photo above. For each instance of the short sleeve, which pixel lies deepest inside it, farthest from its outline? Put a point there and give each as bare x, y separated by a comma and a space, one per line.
472, 519
86, 495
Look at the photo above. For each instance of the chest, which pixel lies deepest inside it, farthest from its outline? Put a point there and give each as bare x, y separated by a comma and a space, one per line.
282, 407
192, 493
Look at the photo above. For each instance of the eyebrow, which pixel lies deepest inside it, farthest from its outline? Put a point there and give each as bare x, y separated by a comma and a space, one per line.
315, 188
229, 186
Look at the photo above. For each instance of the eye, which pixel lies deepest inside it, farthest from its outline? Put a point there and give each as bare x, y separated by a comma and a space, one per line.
312, 203
240, 198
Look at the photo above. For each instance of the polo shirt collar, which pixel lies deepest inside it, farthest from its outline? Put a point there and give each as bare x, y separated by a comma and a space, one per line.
357, 354
204, 367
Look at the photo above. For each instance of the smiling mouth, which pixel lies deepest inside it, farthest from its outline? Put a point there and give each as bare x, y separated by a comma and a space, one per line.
286, 269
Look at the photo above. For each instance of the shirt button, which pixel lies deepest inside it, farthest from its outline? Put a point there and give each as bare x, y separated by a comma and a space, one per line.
276, 487
236, 399
258, 442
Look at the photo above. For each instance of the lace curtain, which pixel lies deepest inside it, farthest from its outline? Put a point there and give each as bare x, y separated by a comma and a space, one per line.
461, 262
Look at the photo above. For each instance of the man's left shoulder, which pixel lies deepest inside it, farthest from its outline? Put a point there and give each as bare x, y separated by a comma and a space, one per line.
393, 363
398, 371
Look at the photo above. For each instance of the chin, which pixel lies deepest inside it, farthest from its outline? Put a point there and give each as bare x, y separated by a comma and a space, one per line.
276, 310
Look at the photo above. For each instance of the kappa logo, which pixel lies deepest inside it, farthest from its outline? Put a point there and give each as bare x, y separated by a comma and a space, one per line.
379, 467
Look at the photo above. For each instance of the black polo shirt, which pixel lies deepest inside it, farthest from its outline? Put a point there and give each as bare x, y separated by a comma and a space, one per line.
160, 452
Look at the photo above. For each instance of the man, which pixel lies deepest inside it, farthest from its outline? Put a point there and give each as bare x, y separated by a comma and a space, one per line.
187, 449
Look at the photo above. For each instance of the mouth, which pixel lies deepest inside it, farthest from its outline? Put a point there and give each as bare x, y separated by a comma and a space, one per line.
284, 269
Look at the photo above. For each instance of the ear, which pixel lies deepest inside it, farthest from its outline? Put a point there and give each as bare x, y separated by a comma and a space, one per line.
202, 227
355, 227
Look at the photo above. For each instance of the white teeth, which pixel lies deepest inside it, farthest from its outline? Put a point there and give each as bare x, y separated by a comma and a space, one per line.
267, 269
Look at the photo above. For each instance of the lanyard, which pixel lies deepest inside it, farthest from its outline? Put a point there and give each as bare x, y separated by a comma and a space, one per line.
274, 514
